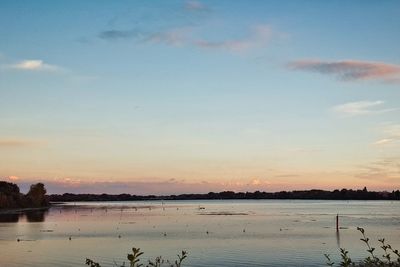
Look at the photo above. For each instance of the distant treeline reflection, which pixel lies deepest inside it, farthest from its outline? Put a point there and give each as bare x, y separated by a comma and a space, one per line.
344, 194
31, 216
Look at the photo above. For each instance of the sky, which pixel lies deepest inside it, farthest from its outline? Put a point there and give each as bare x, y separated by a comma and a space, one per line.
166, 97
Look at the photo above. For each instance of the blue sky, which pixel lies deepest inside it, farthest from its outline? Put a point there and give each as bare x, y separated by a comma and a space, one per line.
200, 95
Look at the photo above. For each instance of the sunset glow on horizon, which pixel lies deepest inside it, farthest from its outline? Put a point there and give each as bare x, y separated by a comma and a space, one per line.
169, 97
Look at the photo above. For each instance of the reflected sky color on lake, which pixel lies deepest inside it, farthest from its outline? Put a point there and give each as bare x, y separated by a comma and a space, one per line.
224, 233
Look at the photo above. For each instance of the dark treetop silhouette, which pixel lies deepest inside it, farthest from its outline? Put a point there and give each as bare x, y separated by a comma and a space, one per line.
11, 198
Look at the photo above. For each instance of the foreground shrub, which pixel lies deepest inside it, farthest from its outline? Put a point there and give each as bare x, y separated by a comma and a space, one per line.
389, 258
134, 260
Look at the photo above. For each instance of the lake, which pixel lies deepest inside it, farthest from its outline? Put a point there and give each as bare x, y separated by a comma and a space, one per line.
214, 232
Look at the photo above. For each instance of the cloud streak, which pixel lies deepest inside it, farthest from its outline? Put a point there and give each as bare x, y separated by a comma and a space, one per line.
350, 70
260, 36
385, 170
195, 6
361, 108
189, 33
384, 141
34, 65
391, 135
172, 37
16, 143
119, 34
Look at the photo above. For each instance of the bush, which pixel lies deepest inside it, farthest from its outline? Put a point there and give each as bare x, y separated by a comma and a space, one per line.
389, 258
134, 260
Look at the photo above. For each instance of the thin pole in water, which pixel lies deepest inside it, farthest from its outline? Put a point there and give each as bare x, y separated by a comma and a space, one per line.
337, 222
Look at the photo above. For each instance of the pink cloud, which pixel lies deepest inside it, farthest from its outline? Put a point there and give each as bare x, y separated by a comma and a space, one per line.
13, 178
350, 70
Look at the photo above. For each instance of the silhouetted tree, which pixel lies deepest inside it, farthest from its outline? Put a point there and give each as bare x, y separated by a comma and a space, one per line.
9, 195
37, 195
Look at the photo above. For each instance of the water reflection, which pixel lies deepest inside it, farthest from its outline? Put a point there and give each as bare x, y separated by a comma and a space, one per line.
36, 216
31, 216
9, 218
338, 238
247, 233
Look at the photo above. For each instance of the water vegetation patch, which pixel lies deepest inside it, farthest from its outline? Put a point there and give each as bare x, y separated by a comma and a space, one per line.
134, 260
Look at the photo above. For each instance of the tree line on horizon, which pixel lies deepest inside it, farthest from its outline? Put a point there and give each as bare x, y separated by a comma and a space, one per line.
12, 198
343, 194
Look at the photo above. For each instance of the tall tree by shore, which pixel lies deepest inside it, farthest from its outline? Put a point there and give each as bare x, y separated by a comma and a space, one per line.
12, 198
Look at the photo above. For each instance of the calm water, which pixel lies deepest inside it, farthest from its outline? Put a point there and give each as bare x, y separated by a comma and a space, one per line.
221, 233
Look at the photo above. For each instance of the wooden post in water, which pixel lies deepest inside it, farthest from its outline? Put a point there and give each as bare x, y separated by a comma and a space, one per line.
337, 222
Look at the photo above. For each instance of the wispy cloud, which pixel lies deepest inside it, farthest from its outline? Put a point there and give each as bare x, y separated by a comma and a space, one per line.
361, 108
350, 70
195, 6
186, 29
34, 65
385, 170
392, 130
384, 141
172, 37
391, 135
259, 37
173, 30
119, 34
16, 143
